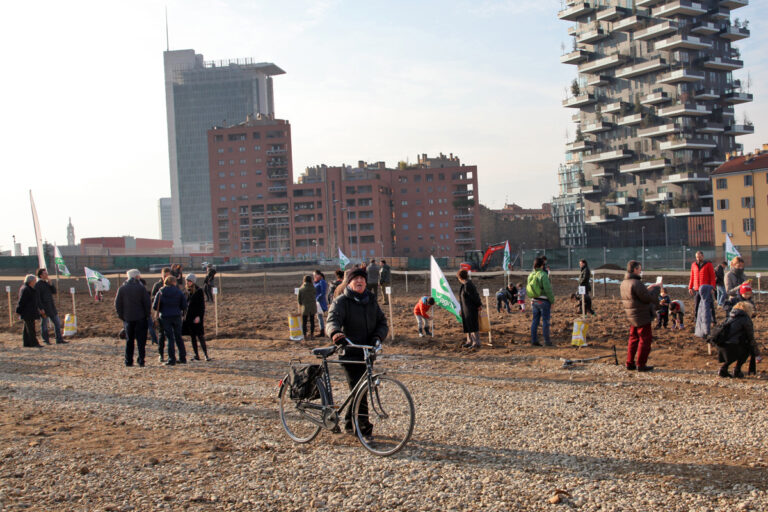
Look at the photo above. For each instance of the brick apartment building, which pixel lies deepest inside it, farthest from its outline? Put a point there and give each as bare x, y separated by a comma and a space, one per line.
513, 212
370, 210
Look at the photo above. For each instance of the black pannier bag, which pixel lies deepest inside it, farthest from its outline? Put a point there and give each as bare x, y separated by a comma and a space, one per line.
303, 382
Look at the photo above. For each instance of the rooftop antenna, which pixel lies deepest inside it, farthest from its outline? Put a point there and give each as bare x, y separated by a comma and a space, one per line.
167, 44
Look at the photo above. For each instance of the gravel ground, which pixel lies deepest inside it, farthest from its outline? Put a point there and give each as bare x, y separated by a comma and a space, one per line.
495, 430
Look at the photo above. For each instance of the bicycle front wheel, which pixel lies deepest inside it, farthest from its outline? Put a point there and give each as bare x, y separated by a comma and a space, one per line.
384, 416
294, 415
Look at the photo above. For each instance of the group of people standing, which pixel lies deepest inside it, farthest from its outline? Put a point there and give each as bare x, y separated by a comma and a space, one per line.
37, 302
176, 305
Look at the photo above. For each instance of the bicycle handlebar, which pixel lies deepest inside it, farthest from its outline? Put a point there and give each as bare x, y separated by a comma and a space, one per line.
376, 348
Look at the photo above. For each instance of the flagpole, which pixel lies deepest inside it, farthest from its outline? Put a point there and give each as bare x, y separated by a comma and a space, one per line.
55, 264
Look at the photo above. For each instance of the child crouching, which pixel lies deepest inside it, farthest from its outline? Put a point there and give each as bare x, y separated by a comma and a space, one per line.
420, 311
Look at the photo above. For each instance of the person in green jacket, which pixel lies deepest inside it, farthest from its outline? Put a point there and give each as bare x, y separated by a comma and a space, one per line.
307, 307
539, 289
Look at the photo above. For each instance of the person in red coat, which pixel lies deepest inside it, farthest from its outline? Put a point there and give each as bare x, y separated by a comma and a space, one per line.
420, 311
702, 272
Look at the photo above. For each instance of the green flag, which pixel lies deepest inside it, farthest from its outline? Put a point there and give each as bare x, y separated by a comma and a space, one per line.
343, 260
59, 261
441, 292
507, 257
730, 250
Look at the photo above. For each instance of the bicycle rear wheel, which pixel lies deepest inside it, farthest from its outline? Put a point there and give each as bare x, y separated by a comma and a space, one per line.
293, 415
384, 421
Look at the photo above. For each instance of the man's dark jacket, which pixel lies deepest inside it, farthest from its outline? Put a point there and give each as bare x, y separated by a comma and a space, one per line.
132, 301
584, 277
45, 293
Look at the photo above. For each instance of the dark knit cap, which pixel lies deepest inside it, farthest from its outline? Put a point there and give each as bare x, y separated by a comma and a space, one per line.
353, 273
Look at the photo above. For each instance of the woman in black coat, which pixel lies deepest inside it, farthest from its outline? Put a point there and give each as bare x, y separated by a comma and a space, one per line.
29, 310
193, 322
356, 315
471, 305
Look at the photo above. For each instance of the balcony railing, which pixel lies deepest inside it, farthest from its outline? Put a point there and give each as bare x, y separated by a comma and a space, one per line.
661, 197
599, 219
681, 75
684, 177
630, 120
629, 24
579, 101
608, 156
463, 228
659, 131
464, 241
276, 151
642, 68
733, 4
648, 3
599, 126
601, 64
655, 98
705, 28
658, 30
687, 143
687, 109
575, 56
611, 13
679, 8
650, 165
277, 163
706, 94
732, 33
722, 63
592, 36
740, 129
682, 41
711, 127
576, 11
462, 192
733, 97
463, 216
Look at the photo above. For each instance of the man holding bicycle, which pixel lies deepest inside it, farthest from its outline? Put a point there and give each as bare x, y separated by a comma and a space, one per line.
355, 314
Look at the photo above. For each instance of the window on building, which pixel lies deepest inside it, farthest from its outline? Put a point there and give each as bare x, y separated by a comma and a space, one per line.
723, 226
218, 138
747, 202
749, 225
405, 215
257, 148
748, 180
242, 161
441, 176
221, 162
220, 150
222, 187
722, 183
241, 149
403, 203
256, 135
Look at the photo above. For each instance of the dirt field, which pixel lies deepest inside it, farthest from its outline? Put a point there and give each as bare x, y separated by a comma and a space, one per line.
502, 428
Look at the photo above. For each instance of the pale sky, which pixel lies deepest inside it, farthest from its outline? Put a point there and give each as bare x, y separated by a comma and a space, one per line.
82, 97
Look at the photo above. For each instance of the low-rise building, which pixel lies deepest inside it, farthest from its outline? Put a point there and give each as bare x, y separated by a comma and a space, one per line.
740, 190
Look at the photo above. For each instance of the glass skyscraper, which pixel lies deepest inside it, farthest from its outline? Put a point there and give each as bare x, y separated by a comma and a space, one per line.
199, 95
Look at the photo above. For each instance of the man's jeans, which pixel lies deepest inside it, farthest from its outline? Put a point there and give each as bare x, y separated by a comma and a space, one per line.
135, 331
56, 328
172, 328
541, 309
721, 295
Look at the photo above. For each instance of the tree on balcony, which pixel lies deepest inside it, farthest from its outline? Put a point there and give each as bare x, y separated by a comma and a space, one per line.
579, 134
575, 90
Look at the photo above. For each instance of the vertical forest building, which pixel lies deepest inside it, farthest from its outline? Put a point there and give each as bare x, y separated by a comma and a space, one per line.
653, 101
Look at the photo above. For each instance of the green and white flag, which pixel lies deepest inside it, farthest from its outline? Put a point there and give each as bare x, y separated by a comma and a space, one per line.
507, 257
95, 279
441, 292
343, 260
59, 260
730, 250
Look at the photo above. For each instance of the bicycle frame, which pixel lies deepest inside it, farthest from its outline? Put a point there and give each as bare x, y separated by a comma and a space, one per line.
326, 390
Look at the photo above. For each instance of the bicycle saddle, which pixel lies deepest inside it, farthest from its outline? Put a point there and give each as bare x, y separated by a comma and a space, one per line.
324, 351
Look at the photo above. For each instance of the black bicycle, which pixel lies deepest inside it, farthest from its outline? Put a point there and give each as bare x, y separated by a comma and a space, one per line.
306, 402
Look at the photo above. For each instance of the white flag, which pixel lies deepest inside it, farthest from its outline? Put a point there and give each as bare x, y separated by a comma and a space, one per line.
38, 237
59, 260
507, 257
94, 277
730, 250
441, 292
343, 260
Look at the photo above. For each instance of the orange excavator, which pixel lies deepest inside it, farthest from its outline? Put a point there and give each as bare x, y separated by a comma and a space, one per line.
477, 261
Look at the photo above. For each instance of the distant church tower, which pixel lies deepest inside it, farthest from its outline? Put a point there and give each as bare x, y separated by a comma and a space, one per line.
70, 233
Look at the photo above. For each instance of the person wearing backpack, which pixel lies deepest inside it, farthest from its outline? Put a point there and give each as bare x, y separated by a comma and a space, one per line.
333, 285
539, 289
744, 293
735, 340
